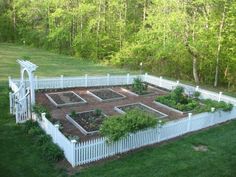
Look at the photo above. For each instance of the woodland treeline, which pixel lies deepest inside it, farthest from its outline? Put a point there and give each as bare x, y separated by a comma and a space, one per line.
183, 39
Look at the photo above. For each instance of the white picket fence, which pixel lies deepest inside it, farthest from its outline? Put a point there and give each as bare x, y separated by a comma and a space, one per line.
82, 81
89, 151
167, 84
57, 137
112, 80
85, 152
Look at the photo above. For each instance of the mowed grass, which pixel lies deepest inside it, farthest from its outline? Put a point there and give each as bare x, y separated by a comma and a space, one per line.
49, 63
19, 157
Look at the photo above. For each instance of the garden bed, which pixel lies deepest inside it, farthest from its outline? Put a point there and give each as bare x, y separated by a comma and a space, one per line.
64, 98
87, 122
150, 91
106, 94
170, 108
179, 102
140, 106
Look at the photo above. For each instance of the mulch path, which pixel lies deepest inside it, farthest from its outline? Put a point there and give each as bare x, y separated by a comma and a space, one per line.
93, 103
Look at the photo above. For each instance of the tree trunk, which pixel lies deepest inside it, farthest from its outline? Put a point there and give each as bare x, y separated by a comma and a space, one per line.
195, 73
98, 28
14, 20
219, 47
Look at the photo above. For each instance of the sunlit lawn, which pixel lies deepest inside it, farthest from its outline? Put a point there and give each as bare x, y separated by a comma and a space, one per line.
50, 64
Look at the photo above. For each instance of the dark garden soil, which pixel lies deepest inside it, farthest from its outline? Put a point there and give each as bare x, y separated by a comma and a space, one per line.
65, 98
141, 107
90, 121
59, 113
106, 94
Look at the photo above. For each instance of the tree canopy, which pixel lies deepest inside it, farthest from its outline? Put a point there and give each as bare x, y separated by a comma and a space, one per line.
185, 39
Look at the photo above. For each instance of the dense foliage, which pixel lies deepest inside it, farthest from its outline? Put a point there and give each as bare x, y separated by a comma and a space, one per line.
38, 109
138, 86
117, 127
186, 39
48, 149
178, 100
208, 104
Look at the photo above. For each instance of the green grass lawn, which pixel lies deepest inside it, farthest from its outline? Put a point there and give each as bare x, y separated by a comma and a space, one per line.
20, 158
50, 64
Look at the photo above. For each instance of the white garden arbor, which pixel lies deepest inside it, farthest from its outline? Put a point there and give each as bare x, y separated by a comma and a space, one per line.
29, 68
23, 97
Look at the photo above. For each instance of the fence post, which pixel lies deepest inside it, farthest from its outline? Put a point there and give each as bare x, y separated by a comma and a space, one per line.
57, 126
197, 88
189, 121
108, 79
17, 112
159, 131
160, 81
145, 77
219, 97
212, 116
9, 81
62, 84
73, 143
127, 80
43, 115
177, 82
36, 82
86, 80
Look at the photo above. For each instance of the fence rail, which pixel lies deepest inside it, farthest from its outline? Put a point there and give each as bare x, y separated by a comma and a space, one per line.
82, 81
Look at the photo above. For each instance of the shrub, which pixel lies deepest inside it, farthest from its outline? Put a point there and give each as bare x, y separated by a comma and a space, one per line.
39, 109
114, 128
208, 103
28, 125
138, 86
34, 131
178, 95
44, 142
43, 139
51, 152
196, 94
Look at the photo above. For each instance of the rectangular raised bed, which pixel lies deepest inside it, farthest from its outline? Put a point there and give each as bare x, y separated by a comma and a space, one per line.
84, 123
124, 108
106, 94
150, 91
65, 98
170, 108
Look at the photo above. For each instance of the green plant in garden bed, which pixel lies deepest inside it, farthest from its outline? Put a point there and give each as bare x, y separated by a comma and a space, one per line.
178, 100
39, 109
138, 86
117, 127
208, 104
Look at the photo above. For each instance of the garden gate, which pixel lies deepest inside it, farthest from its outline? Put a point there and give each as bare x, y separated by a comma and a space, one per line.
23, 96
